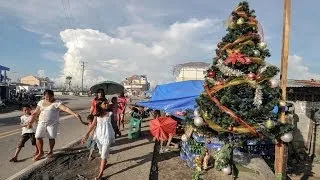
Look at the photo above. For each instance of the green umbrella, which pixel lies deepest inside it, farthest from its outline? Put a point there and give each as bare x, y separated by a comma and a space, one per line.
109, 87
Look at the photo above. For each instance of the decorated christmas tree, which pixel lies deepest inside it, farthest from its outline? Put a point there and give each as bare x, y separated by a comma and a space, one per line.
240, 95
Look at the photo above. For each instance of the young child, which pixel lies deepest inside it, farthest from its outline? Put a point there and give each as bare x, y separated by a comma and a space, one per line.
114, 117
104, 133
27, 133
91, 143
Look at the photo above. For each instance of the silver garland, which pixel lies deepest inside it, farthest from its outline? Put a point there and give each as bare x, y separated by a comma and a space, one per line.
227, 70
257, 101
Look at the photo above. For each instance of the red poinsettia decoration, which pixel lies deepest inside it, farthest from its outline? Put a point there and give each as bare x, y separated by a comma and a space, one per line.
235, 57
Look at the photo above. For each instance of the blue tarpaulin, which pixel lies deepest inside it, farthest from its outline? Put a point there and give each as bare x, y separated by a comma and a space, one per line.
173, 97
3, 68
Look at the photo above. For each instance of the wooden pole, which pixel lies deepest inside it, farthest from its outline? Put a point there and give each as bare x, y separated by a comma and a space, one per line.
281, 149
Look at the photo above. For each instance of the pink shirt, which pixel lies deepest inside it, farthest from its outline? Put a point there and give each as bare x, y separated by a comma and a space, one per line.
122, 101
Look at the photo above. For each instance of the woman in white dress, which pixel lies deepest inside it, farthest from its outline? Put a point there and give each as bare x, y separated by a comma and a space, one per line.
104, 133
48, 108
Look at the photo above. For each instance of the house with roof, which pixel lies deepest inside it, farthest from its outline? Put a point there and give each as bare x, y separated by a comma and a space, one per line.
136, 84
40, 83
305, 96
190, 71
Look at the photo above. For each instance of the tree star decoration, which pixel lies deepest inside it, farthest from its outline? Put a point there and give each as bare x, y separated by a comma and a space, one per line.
227, 70
257, 101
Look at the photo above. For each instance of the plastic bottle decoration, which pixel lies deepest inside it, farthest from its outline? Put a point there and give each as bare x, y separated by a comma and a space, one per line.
198, 163
206, 160
184, 138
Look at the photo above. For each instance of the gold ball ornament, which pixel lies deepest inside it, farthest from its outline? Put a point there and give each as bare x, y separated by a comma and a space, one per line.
269, 124
282, 103
262, 45
232, 25
256, 53
240, 21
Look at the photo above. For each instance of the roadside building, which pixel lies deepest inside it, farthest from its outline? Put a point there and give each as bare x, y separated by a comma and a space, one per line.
136, 85
4, 85
39, 83
190, 71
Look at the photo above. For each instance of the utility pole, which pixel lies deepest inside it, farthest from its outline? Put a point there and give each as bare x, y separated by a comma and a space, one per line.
82, 65
281, 149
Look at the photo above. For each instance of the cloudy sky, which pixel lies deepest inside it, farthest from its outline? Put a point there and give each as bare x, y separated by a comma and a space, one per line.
119, 38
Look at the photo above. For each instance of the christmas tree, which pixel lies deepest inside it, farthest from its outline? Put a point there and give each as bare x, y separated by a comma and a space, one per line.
240, 91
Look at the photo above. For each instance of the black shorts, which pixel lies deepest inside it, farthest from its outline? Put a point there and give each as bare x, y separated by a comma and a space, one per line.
25, 137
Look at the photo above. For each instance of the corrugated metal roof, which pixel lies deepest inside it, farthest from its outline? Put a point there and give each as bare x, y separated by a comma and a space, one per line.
302, 83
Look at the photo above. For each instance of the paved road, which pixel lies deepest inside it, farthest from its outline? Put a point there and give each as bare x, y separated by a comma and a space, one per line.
70, 129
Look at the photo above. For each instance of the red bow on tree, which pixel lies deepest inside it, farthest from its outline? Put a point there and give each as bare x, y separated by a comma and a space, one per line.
235, 57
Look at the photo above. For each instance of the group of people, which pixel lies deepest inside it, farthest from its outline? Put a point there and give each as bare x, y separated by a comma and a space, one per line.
104, 121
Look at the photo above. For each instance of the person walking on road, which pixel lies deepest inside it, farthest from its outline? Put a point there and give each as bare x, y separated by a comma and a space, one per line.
100, 94
27, 133
104, 133
48, 108
122, 103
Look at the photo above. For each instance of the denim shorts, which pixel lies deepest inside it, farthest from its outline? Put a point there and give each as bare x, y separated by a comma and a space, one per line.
91, 143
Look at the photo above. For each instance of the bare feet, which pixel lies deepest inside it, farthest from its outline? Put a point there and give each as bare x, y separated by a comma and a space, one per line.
14, 159
38, 156
49, 155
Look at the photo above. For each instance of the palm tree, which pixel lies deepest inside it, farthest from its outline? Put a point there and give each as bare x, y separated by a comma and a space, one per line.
68, 82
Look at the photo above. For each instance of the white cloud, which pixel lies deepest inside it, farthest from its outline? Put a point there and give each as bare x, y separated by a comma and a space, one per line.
298, 69
135, 50
41, 73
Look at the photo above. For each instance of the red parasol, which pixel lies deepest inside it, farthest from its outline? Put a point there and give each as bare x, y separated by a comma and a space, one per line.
161, 127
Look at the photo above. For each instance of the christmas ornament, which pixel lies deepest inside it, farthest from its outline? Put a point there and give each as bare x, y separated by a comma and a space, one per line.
240, 21
198, 121
248, 60
274, 83
256, 53
230, 128
287, 137
184, 138
219, 83
262, 45
269, 124
235, 57
206, 160
211, 74
227, 70
232, 25
257, 100
282, 103
251, 76
226, 170
206, 115
196, 112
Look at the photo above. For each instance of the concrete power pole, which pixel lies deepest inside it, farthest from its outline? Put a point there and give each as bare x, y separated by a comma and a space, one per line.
82, 65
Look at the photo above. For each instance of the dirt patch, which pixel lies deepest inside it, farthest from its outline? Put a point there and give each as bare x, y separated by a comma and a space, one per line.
72, 163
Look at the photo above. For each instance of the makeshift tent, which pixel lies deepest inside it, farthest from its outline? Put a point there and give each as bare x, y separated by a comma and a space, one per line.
174, 97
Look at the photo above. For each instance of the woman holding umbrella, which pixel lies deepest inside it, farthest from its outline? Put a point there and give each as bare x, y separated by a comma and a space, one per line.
100, 94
